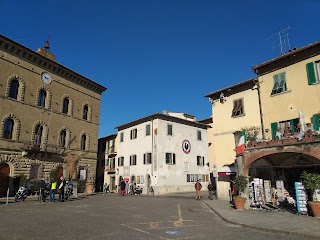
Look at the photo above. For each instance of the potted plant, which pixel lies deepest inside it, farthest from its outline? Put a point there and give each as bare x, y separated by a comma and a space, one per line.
311, 181
240, 184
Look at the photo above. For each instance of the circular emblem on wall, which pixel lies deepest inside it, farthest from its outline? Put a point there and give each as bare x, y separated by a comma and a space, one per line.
186, 146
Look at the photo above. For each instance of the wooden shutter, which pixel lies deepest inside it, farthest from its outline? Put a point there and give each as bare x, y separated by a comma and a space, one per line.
276, 83
202, 161
315, 121
311, 73
167, 158
150, 157
118, 161
174, 158
144, 158
274, 127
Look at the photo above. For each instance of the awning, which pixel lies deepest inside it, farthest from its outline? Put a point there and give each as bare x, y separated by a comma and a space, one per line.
228, 170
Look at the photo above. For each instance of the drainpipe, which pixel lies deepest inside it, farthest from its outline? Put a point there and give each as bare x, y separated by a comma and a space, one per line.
152, 158
260, 108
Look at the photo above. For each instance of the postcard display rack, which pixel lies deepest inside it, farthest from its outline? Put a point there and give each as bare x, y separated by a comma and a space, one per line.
301, 196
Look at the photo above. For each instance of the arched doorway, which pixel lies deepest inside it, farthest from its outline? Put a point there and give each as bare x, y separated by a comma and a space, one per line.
58, 175
4, 179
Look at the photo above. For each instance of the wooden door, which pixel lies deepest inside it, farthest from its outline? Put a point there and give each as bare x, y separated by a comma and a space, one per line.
4, 179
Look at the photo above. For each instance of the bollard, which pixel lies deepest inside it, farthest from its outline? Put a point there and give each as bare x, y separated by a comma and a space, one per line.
7, 196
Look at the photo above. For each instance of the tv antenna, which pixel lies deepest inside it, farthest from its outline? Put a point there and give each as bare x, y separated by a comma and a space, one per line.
280, 40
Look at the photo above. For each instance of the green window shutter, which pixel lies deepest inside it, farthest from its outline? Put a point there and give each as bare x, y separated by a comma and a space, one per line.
150, 157
118, 161
274, 127
167, 158
144, 158
315, 121
276, 82
311, 73
174, 158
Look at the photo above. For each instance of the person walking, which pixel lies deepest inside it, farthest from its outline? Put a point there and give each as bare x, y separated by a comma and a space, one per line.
198, 187
210, 189
61, 189
53, 187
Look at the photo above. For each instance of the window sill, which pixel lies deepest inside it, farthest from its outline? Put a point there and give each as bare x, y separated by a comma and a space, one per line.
276, 94
242, 115
170, 164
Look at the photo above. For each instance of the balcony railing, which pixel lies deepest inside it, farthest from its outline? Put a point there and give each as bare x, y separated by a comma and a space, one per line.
36, 147
285, 140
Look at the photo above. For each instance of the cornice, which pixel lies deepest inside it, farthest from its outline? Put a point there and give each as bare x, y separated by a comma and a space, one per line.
15, 49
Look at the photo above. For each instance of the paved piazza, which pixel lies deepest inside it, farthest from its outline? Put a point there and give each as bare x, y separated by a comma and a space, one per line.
121, 217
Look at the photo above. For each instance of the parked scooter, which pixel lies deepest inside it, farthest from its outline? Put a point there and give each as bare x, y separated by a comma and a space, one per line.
22, 193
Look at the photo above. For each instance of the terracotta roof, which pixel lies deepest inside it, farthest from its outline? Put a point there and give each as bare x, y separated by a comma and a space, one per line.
290, 53
227, 91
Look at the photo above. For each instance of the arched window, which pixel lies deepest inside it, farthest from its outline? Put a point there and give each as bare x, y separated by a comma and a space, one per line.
65, 107
63, 135
38, 135
85, 112
8, 129
42, 98
83, 142
14, 88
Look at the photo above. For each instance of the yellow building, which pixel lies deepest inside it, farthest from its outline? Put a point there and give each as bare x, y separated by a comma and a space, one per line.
233, 108
107, 153
49, 118
290, 83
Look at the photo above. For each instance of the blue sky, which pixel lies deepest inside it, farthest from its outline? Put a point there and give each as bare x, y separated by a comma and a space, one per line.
157, 55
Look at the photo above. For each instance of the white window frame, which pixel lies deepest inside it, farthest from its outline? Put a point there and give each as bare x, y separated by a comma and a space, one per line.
170, 158
147, 158
200, 161
199, 135
121, 136
133, 133
169, 132
133, 160
148, 130
121, 161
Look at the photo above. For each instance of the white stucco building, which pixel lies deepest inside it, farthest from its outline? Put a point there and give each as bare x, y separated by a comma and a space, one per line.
167, 152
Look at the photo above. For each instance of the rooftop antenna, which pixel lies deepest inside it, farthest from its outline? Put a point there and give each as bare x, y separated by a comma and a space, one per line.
281, 40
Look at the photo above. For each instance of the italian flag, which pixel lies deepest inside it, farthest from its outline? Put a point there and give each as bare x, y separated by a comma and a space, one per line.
241, 144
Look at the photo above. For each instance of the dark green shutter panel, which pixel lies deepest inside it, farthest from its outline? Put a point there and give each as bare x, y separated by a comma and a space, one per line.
118, 161
274, 127
311, 73
144, 158
315, 121
174, 158
202, 161
167, 158
150, 157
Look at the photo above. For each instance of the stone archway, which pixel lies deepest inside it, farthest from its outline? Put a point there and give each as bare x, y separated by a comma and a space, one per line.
4, 179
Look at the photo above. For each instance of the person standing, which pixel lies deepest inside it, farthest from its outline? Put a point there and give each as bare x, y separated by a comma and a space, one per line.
122, 187
53, 187
42, 190
210, 189
198, 187
61, 189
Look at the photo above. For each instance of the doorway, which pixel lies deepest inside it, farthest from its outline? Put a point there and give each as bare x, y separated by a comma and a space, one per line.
4, 179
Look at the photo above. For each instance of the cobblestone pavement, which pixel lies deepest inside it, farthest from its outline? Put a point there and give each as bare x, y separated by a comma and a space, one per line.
121, 217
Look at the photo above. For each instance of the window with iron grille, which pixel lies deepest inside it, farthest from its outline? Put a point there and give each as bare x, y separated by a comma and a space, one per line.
237, 108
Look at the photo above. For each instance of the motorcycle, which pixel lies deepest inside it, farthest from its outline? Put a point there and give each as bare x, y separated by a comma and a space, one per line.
22, 193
